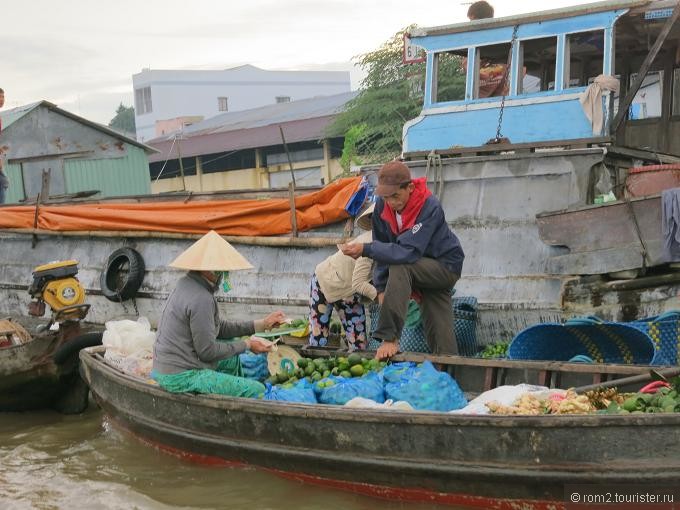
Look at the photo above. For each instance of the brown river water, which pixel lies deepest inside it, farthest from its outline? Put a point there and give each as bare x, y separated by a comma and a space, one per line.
49, 461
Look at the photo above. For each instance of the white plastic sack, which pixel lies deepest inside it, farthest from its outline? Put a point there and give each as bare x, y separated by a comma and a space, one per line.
139, 364
367, 403
128, 337
505, 395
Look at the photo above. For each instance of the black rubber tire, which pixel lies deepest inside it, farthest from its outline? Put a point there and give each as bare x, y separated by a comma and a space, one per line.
73, 346
116, 285
76, 398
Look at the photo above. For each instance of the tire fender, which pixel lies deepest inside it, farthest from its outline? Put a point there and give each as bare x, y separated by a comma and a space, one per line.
73, 346
123, 275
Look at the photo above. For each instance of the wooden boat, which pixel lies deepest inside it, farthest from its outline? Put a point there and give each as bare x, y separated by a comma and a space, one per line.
605, 238
478, 461
43, 372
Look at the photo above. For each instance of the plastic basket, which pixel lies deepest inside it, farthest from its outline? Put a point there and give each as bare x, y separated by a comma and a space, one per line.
603, 342
664, 331
413, 338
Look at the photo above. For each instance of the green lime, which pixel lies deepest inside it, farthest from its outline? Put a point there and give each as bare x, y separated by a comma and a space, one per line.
354, 359
357, 370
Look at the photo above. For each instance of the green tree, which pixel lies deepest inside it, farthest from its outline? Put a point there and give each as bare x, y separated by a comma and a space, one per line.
124, 121
390, 94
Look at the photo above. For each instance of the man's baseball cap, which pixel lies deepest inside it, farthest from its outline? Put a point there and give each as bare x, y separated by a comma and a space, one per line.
391, 177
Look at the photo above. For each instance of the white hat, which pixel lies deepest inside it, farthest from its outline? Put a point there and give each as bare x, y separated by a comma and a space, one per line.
211, 253
364, 220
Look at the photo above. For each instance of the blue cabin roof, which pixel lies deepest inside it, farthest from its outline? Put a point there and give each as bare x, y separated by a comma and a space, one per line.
542, 63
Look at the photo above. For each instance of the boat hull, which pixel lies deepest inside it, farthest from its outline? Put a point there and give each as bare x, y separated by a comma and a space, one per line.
31, 379
486, 461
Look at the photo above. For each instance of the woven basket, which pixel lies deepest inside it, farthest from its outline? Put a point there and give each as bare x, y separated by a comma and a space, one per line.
413, 338
603, 342
664, 331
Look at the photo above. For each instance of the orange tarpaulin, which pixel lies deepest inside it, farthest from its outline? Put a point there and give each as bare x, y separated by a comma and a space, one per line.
228, 217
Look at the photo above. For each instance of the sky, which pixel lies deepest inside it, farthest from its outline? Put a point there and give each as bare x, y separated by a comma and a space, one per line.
81, 55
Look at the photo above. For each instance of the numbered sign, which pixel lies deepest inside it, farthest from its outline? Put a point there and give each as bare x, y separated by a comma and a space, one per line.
413, 53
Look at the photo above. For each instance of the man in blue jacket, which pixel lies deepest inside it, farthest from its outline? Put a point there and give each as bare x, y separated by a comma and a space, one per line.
416, 253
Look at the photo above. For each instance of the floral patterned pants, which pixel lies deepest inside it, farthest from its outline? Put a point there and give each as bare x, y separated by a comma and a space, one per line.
351, 313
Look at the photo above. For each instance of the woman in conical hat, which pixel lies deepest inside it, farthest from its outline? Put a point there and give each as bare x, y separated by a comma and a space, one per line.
187, 356
343, 284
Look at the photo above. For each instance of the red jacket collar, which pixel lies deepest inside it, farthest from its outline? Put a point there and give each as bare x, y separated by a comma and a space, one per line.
413, 207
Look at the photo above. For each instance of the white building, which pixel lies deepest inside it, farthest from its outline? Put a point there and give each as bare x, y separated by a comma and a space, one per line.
168, 100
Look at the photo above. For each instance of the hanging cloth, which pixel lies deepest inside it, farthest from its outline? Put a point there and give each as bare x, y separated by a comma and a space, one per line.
591, 100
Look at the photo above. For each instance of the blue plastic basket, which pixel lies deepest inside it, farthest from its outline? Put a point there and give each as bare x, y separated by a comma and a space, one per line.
664, 331
603, 342
413, 338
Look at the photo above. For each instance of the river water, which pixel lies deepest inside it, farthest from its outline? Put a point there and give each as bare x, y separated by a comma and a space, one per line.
49, 461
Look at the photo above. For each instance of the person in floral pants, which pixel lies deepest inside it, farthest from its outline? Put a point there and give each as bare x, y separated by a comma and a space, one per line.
350, 311
343, 284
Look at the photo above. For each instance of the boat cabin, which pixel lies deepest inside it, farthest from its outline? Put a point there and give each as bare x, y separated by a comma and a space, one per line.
521, 78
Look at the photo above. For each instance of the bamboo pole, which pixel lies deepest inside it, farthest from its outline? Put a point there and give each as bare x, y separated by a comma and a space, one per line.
297, 242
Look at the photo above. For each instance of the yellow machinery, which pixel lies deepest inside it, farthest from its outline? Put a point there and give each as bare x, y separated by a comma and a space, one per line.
56, 284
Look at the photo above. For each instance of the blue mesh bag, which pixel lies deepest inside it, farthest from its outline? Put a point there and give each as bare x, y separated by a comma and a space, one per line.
426, 389
413, 335
254, 366
603, 342
395, 371
345, 389
302, 392
664, 330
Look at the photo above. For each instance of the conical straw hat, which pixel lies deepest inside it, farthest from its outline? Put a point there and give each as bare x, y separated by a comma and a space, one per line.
364, 220
211, 253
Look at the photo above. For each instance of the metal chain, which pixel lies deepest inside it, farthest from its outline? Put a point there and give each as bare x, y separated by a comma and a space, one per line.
120, 300
506, 87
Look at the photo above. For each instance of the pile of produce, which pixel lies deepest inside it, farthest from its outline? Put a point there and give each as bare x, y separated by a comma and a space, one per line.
336, 381
657, 397
314, 370
497, 350
294, 324
665, 400
552, 403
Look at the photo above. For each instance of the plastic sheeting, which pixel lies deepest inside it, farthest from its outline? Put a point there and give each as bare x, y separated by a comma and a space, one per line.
227, 217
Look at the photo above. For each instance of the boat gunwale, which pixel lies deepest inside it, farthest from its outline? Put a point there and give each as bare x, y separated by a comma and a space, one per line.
95, 362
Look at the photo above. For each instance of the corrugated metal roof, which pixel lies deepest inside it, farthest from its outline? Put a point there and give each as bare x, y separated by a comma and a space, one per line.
9, 117
266, 115
301, 121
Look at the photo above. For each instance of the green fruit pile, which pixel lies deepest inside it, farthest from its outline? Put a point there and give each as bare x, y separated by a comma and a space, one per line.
314, 370
497, 350
665, 400
295, 324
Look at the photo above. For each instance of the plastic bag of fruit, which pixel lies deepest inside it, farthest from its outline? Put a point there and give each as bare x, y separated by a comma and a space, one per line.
340, 390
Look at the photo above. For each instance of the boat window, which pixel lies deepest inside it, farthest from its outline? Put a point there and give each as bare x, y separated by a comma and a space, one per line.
493, 78
449, 72
539, 60
647, 102
584, 57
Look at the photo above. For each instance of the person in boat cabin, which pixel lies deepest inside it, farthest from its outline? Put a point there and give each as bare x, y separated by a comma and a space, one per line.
480, 10
415, 253
343, 284
4, 180
492, 75
187, 356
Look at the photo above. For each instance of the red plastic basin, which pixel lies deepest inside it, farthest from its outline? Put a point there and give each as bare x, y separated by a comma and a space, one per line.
652, 179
